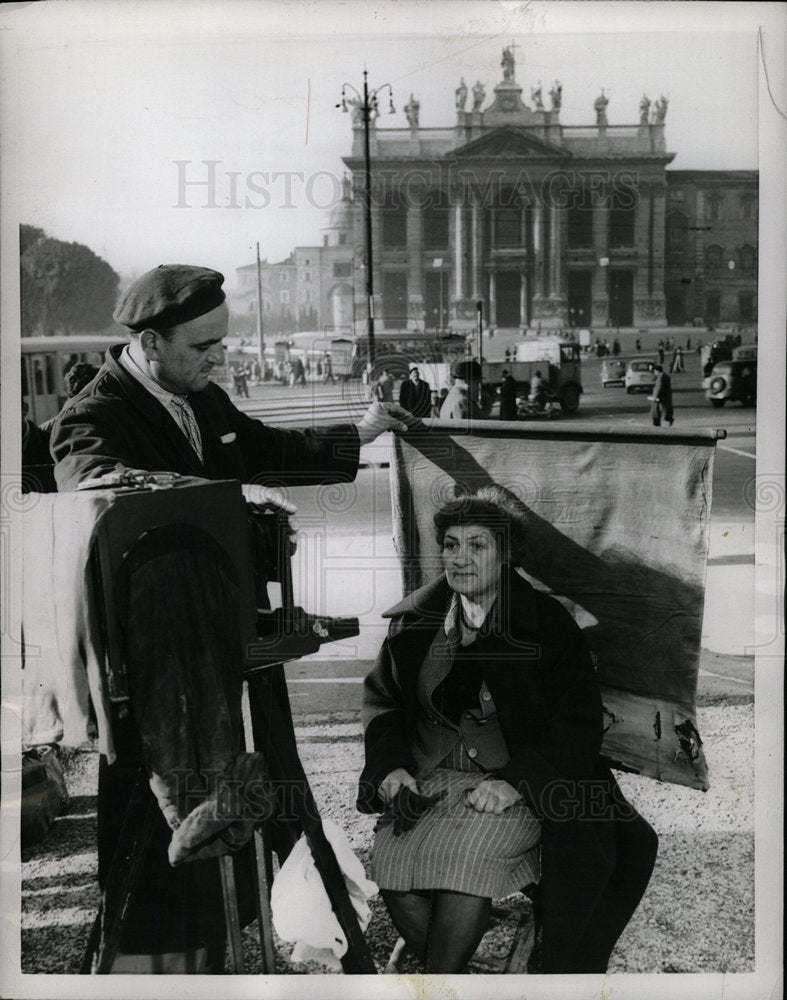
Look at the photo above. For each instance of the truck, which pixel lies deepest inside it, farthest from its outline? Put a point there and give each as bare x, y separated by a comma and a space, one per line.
556, 358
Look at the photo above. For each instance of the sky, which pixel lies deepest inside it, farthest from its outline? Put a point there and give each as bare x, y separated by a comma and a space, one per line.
114, 109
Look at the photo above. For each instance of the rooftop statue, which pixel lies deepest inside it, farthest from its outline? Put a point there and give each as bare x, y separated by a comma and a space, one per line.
644, 109
660, 110
356, 109
535, 96
556, 93
508, 63
479, 93
411, 110
461, 95
600, 106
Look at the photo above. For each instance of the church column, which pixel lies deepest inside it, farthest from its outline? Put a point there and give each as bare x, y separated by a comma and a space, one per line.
475, 250
523, 298
555, 252
657, 248
600, 285
555, 307
415, 232
649, 301
459, 250
539, 269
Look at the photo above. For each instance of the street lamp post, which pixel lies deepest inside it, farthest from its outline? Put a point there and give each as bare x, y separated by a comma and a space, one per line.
367, 104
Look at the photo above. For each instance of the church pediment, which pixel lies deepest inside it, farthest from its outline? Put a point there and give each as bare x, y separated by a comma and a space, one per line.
508, 143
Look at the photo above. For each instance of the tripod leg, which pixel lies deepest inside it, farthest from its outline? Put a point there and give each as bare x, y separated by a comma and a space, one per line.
231, 915
274, 734
119, 886
263, 901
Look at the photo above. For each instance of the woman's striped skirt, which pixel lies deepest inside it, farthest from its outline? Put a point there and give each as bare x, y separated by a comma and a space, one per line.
454, 847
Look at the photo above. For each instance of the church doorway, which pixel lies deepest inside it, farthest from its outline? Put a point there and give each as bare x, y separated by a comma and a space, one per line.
395, 300
621, 298
435, 300
509, 298
579, 298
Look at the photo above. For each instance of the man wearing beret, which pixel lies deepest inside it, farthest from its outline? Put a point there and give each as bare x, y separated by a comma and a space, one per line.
153, 406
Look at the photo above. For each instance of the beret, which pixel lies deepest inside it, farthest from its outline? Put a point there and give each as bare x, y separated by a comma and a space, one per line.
168, 295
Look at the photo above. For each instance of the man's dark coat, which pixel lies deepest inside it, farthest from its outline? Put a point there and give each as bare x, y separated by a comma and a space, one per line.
115, 419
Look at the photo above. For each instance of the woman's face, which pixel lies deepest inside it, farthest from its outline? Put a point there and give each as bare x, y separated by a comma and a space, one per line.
471, 560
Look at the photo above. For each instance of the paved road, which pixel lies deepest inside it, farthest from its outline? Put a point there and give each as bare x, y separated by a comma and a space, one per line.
734, 464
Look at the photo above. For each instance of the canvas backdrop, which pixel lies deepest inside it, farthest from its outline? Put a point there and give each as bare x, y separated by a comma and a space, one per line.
618, 532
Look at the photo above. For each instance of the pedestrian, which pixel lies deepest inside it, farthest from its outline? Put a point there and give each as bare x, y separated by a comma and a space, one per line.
688, 343
679, 359
616, 347
538, 391
415, 394
661, 352
639, 345
461, 401
383, 387
508, 407
154, 407
661, 399
328, 368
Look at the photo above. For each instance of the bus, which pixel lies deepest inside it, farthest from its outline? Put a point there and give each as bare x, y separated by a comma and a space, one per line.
396, 352
45, 361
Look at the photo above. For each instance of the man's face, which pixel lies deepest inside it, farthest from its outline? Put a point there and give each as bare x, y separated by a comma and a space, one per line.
414, 375
183, 363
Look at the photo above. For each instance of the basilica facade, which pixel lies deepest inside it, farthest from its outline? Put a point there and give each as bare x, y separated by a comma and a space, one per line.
548, 225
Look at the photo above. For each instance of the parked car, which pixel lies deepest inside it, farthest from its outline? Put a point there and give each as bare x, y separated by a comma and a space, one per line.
733, 379
613, 372
640, 376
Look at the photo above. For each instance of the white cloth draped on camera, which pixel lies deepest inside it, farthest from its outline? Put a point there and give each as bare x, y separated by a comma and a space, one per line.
618, 530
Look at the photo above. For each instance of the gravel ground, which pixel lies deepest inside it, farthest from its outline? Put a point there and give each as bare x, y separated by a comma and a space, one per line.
697, 915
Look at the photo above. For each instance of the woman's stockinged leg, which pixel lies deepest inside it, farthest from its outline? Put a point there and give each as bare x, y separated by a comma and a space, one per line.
458, 923
442, 928
411, 913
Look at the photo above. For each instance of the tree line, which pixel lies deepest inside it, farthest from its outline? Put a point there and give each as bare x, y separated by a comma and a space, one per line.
65, 287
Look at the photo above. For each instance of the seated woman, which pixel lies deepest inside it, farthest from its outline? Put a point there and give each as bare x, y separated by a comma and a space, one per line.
484, 699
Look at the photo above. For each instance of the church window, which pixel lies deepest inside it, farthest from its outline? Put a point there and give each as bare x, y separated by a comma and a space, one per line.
713, 256
580, 220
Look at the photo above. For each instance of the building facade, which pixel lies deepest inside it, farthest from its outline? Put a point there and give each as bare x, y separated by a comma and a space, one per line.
711, 246
311, 290
547, 225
